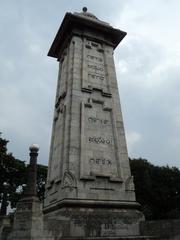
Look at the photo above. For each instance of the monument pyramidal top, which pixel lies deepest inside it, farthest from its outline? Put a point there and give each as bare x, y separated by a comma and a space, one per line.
91, 16
85, 20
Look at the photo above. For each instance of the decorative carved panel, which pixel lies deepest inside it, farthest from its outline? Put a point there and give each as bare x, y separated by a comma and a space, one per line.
98, 142
94, 73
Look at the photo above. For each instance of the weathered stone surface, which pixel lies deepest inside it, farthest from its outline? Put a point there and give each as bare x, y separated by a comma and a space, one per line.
93, 222
28, 221
5, 227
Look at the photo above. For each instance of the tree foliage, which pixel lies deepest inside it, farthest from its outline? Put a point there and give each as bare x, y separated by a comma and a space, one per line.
157, 189
13, 172
41, 180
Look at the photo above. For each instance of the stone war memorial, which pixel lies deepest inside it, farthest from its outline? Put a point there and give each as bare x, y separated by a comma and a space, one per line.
89, 191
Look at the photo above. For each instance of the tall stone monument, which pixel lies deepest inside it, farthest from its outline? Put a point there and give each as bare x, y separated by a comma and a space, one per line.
90, 190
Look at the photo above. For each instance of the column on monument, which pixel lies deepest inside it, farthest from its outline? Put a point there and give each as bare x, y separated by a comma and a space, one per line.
31, 190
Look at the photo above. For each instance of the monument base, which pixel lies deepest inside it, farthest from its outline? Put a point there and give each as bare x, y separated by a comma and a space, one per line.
76, 220
115, 238
28, 222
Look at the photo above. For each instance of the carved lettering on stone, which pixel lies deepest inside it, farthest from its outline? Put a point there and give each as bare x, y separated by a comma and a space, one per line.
101, 161
95, 76
98, 151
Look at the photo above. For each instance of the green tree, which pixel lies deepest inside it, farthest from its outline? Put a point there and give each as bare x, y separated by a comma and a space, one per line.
157, 189
41, 180
13, 174
13, 178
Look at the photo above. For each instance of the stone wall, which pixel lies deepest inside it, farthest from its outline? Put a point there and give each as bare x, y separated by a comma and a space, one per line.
5, 226
162, 229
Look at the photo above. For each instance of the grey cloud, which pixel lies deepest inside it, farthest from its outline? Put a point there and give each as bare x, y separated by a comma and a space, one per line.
150, 99
147, 72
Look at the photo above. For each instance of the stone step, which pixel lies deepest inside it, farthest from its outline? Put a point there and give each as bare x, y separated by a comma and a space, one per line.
112, 238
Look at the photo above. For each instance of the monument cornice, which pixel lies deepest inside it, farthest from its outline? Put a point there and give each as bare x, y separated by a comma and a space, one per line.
93, 204
73, 21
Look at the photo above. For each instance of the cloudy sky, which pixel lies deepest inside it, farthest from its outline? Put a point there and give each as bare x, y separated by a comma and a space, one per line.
147, 65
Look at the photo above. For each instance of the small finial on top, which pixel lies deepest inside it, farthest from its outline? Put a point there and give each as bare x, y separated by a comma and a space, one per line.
34, 147
84, 9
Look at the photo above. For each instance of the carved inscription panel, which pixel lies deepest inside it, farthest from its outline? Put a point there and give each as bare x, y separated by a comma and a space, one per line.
94, 63
98, 147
